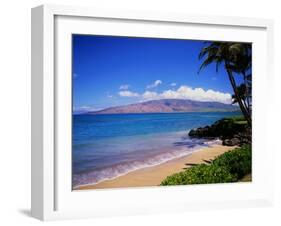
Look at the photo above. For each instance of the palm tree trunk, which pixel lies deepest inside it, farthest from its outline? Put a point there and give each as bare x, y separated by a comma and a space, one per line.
234, 87
247, 92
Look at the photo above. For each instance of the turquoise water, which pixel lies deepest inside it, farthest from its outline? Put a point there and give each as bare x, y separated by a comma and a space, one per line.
107, 146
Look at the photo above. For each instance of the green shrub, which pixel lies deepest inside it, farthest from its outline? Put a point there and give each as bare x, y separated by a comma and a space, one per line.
238, 161
228, 167
236, 118
200, 174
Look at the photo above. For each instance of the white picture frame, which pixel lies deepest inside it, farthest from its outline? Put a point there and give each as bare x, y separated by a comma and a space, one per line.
52, 198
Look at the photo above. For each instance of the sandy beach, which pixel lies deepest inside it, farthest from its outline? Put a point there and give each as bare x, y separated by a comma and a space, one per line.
152, 176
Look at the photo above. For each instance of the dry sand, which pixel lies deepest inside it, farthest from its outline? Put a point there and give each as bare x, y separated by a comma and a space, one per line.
152, 176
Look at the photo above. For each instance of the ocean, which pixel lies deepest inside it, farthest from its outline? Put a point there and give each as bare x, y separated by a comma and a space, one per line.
107, 146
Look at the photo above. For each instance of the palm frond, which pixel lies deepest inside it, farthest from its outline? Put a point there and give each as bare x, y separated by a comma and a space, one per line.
206, 62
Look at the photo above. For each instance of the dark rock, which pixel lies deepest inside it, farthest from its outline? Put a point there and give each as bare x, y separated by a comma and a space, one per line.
231, 142
192, 133
227, 130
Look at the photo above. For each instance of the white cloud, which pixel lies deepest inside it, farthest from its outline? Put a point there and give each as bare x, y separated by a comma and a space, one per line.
148, 95
128, 93
173, 84
154, 84
185, 92
124, 87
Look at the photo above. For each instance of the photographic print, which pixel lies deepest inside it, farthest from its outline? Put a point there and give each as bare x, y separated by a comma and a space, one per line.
160, 112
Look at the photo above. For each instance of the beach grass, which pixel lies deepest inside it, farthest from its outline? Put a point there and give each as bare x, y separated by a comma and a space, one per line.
231, 166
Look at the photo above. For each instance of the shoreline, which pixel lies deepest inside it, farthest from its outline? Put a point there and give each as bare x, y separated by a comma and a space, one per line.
154, 175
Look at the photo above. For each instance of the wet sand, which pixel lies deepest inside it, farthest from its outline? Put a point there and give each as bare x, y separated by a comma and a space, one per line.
154, 175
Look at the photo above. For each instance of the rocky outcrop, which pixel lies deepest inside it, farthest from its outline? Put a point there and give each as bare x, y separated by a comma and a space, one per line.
230, 131
242, 137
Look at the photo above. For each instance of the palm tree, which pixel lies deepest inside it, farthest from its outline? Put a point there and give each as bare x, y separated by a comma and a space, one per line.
242, 64
236, 58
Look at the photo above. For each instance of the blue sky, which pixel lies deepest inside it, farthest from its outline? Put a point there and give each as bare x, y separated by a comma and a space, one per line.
111, 71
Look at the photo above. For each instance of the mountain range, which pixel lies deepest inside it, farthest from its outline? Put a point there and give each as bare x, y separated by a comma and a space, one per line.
168, 106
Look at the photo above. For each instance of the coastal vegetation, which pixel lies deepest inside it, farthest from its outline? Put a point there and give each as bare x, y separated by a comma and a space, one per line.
231, 166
